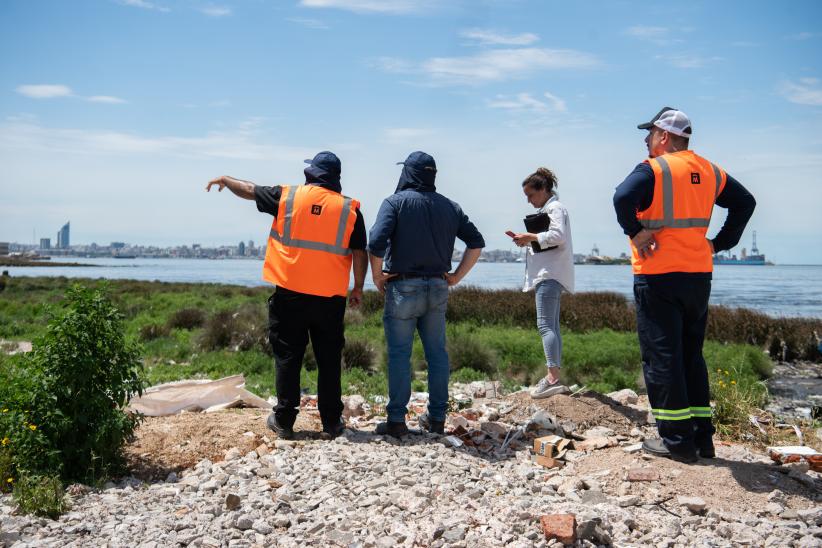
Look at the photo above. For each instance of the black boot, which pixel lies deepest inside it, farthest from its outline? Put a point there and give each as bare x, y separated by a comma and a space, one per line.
396, 429
657, 447
283, 432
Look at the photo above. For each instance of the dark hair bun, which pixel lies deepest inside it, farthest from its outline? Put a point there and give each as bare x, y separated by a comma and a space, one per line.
542, 179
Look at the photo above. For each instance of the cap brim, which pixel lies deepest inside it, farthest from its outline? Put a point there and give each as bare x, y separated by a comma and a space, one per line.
646, 125
308, 161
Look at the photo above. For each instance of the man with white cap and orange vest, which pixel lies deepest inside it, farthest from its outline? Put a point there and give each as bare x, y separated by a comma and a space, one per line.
665, 207
316, 236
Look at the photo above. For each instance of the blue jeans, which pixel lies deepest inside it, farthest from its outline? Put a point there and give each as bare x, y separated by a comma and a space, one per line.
547, 295
416, 304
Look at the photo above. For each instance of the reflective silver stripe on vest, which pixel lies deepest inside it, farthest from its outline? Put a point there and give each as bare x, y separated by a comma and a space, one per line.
667, 191
336, 249
676, 223
668, 220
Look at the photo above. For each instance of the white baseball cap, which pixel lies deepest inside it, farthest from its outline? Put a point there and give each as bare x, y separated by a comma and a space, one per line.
671, 120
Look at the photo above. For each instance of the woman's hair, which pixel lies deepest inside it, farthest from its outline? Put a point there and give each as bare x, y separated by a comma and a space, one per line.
542, 179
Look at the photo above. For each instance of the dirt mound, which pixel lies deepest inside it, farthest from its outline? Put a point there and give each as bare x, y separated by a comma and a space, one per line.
174, 443
584, 410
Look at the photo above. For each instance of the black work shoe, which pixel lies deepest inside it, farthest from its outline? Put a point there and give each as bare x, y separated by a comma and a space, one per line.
657, 448
435, 427
334, 430
396, 429
706, 451
283, 432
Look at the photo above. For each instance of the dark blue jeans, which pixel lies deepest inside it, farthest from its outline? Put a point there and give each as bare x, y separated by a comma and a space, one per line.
417, 304
672, 312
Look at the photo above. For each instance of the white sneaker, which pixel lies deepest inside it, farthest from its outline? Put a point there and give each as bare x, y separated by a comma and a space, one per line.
545, 389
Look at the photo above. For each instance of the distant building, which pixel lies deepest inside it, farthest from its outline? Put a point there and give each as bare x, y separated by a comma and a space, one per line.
118, 245
45, 243
4, 248
241, 249
63, 237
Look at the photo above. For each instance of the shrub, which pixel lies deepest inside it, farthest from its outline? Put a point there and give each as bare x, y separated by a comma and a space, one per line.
152, 331
41, 496
358, 353
7, 472
466, 375
186, 318
468, 351
65, 399
243, 329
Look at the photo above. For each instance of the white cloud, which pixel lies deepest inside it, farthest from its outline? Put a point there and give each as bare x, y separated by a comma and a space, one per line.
399, 134
647, 33
804, 35
503, 64
106, 99
805, 92
308, 22
245, 142
559, 104
687, 61
44, 91
395, 7
487, 37
525, 102
489, 66
216, 11
145, 5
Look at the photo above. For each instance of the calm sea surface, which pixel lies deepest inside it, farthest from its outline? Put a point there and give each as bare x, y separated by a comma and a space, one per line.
776, 290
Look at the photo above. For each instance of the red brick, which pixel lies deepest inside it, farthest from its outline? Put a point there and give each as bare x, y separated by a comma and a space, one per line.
562, 527
643, 474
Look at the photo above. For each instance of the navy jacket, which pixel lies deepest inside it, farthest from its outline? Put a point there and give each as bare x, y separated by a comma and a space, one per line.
416, 227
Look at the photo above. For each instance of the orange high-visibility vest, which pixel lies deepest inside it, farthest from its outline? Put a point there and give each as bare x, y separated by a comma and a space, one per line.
308, 244
685, 190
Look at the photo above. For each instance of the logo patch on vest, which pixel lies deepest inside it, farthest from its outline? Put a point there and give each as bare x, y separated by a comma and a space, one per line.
316, 209
695, 178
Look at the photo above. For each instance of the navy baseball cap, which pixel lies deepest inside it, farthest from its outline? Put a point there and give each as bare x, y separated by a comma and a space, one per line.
420, 160
324, 163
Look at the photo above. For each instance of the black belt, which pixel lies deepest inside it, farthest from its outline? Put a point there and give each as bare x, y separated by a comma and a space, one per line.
411, 276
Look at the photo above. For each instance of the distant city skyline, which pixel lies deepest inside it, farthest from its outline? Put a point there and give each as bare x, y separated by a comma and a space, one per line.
103, 124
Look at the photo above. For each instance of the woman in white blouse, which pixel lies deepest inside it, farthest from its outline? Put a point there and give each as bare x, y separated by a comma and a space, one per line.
548, 272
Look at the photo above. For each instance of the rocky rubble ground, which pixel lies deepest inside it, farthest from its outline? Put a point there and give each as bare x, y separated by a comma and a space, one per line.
363, 490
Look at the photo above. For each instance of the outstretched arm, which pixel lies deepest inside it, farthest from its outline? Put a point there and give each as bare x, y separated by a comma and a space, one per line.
243, 189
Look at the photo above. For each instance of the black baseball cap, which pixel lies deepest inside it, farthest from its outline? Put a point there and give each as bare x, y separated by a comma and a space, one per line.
649, 125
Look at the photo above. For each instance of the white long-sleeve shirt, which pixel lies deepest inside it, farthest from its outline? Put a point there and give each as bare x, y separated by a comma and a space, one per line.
556, 264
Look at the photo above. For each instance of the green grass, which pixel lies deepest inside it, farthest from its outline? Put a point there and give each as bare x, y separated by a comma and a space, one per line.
504, 346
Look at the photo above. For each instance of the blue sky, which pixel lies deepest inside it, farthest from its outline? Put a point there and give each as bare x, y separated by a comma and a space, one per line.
115, 113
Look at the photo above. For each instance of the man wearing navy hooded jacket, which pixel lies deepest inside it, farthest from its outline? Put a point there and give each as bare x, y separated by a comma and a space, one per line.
410, 247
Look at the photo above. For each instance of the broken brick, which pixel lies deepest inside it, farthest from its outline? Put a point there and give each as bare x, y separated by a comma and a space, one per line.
562, 527
549, 462
643, 474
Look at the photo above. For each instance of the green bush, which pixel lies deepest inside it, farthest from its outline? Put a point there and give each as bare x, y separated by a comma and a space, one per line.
242, 329
152, 331
467, 351
186, 318
358, 353
65, 399
41, 495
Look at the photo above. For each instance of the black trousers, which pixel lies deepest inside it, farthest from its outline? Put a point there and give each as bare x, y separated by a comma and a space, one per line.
672, 313
292, 318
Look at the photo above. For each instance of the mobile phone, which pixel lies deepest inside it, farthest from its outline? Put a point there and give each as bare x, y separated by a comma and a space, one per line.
509, 234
